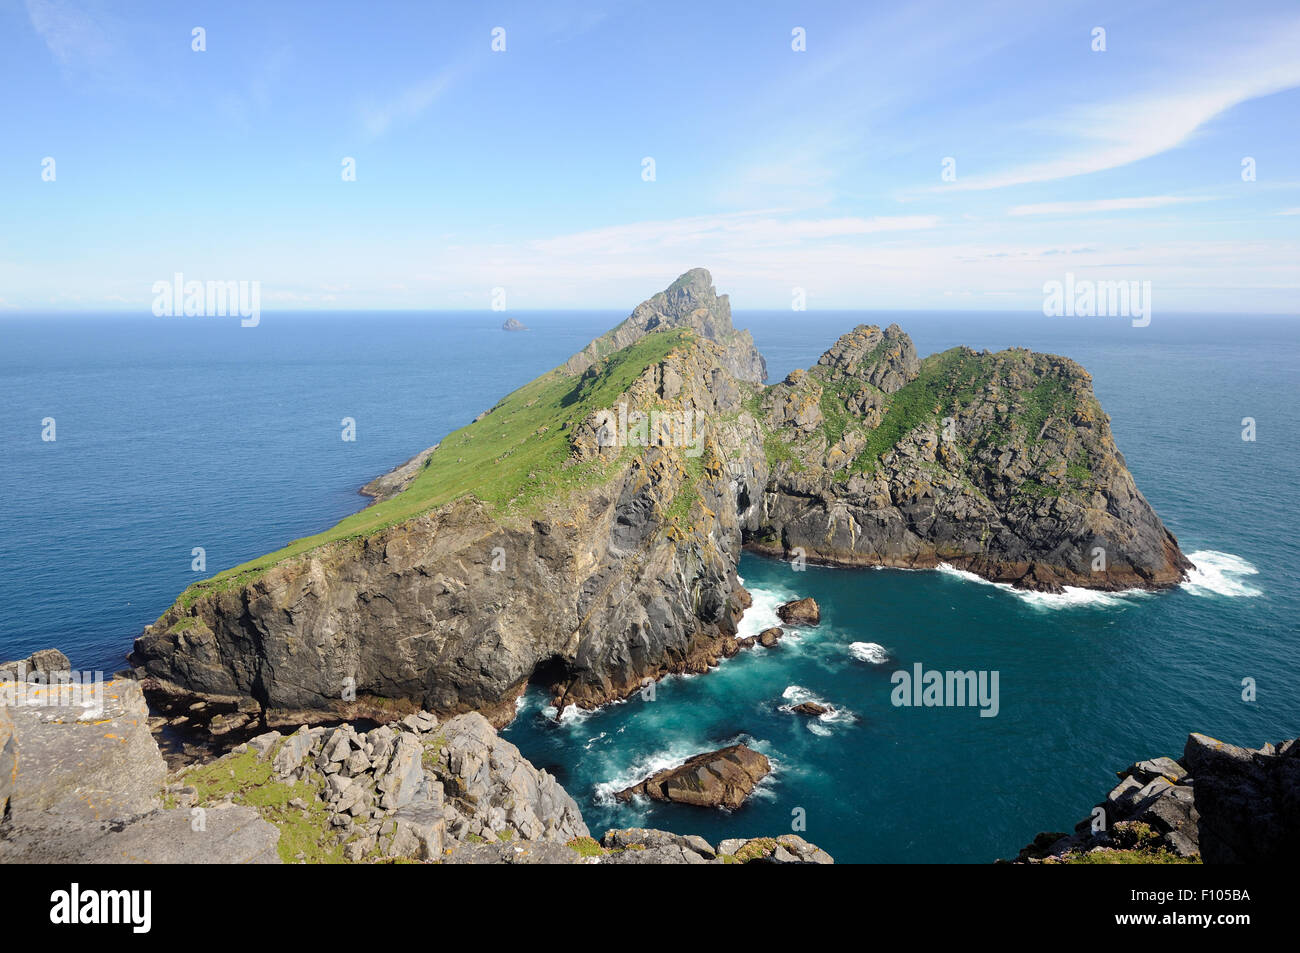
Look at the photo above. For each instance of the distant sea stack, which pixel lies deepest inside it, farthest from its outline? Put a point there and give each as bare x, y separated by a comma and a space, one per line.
512, 325
620, 547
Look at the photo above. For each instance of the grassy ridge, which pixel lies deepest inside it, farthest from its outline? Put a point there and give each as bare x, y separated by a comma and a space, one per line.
512, 459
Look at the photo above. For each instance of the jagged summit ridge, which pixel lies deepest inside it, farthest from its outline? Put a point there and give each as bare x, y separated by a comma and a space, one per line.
689, 302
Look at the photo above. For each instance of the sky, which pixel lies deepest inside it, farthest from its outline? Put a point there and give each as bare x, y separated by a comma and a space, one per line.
948, 155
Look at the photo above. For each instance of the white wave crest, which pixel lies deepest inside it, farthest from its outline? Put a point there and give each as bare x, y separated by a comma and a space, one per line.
1219, 574
871, 652
1072, 597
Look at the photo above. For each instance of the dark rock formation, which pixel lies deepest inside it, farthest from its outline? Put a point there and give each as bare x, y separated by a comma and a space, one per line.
800, 612
768, 638
511, 324
721, 778
811, 709
1223, 803
1001, 464
40, 666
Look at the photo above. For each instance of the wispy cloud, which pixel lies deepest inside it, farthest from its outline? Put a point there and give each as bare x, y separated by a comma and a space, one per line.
409, 104
1118, 132
737, 230
1102, 205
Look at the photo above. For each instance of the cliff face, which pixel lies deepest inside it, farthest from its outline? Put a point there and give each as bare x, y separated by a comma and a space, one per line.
565, 537
1002, 464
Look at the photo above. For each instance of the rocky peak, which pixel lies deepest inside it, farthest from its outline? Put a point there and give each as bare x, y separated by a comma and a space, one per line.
886, 359
689, 302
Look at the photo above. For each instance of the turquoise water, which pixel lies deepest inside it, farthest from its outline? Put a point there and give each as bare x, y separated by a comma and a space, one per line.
180, 433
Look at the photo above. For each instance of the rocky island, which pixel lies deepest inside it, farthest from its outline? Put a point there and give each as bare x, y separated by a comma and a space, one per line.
585, 531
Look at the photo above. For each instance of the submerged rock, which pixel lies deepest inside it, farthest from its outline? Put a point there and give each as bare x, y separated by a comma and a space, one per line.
723, 778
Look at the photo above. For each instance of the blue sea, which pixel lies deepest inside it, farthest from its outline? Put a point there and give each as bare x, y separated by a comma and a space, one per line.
179, 433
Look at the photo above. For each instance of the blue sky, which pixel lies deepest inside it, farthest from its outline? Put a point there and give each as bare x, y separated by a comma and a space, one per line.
774, 168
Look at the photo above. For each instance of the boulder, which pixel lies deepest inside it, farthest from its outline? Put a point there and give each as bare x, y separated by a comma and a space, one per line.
723, 778
811, 709
800, 612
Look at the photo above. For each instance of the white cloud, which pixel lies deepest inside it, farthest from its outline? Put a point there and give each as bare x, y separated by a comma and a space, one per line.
1101, 205
1107, 135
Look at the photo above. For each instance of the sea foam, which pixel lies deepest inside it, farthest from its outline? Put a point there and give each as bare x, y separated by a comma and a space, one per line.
1219, 574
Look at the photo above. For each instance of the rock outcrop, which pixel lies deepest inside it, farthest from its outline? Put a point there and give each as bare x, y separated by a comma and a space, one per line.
1219, 803
513, 324
1001, 464
723, 778
689, 302
585, 531
81, 782
800, 612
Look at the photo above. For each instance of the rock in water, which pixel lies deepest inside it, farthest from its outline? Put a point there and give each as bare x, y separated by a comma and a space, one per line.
513, 325
800, 612
722, 778
810, 708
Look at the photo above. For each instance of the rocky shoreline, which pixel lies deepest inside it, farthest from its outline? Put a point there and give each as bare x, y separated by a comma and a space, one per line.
83, 781
1217, 804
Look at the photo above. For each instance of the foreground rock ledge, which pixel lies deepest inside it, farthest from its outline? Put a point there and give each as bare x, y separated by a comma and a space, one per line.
1219, 803
723, 778
79, 787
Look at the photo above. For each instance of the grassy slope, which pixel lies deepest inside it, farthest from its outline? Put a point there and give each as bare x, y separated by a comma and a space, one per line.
512, 459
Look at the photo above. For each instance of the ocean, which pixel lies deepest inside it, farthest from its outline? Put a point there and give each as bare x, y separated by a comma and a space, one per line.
177, 434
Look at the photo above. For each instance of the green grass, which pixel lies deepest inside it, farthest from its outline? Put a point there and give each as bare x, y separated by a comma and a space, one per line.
512, 460
1049, 398
1128, 857
248, 779
947, 380
586, 847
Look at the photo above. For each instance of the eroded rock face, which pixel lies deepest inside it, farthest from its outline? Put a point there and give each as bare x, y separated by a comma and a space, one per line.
630, 579
689, 302
722, 778
1219, 802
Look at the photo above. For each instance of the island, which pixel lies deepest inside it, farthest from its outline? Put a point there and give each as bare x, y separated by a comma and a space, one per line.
585, 531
